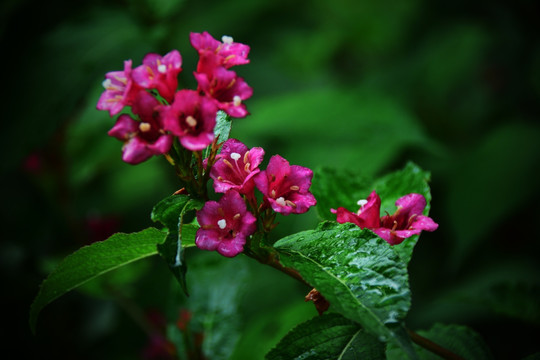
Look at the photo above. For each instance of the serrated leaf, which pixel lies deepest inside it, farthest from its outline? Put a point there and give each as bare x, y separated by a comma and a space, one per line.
94, 260
173, 212
223, 126
361, 276
167, 210
458, 339
330, 336
343, 188
215, 305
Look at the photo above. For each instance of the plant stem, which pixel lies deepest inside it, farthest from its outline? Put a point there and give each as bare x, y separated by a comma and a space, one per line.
433, 347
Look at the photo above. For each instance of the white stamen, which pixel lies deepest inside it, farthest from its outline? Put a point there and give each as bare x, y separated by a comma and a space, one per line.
281, 201
222, 224
227, 39
191, 121
362, 202
237, 100
106, 83
235, 156
144, 127
162, 68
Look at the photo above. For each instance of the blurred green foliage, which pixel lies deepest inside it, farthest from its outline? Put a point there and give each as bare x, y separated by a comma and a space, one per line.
357, 85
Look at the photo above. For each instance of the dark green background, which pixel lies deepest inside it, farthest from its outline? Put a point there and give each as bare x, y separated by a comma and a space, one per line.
365, 85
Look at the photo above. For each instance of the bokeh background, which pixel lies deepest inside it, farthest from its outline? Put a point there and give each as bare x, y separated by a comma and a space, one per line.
363, 85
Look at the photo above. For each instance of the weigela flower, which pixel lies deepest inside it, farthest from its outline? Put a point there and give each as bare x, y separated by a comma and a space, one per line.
213, 53
160, 73
227, 89
192, 118
405, 222
286, 187
144, 138
225, 225
120, 90
367, 216
236, 166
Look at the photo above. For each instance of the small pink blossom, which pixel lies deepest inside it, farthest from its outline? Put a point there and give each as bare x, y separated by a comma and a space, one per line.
367, 216
286, 187
144, 138
235, 167
192, 118
215, 53
405, 222
120, 90
227, 89
160, 73
225, 225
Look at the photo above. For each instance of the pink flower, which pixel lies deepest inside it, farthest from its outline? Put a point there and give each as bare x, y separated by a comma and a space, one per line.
145, 138
286, 187
160, 73
120, 90
235, 167
227, 89
214, 53
192, 118
225, 225
368, 216
405, 222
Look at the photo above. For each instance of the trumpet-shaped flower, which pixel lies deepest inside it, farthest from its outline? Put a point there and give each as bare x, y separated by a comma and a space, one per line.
144, 138
225, 224
227, 89
286, 187
214, 53
160, 73
405, 222
236, 166
192, 118
120, 90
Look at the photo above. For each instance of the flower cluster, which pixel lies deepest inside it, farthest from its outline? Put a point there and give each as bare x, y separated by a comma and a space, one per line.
225, 224
405, 222
160, 112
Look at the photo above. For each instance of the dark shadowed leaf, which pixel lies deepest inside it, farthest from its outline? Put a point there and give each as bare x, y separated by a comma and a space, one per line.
330, 336
173, 212
458, 339
92, 261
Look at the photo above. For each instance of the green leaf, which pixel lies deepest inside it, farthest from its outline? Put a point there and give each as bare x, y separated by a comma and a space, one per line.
334, 188
459, 339
361, 276
173, 212
223, 126
330, 336
215, 304
94, 260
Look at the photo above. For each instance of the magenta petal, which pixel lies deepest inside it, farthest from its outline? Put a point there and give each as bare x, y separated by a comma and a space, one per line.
424, 223
197, 142
370, 213
207, 239
233, 247
412, 204
162, 145
233, 146
123, 129
302, 201
135, 151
